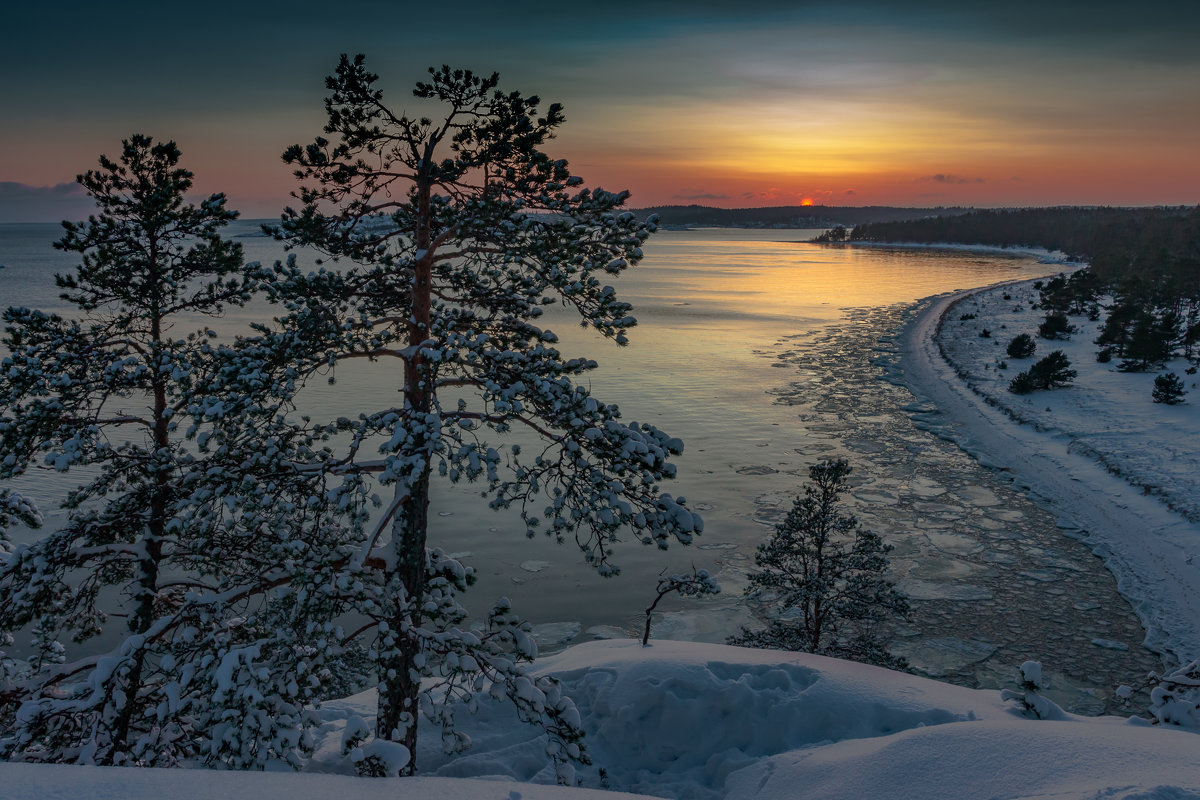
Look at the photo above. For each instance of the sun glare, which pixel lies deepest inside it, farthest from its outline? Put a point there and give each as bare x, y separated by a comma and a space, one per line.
808, 201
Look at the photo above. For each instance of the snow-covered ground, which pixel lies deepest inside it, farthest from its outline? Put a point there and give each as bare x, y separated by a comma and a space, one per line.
1092, 450
696, 721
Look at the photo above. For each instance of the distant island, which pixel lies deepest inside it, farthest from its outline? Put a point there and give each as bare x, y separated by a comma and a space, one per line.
695, 216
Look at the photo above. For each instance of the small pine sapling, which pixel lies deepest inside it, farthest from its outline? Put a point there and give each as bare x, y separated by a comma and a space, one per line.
1174, 697
1168, 389
1022, 346
1055, 326
697, 582
1051, 372
1030, 700
827, 578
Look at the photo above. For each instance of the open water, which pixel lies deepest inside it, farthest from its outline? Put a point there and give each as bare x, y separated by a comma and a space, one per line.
759, 350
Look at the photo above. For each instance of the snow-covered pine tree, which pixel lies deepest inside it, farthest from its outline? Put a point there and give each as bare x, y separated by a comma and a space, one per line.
458, 230
1030, 699
1168, 388
105, 392
825, 577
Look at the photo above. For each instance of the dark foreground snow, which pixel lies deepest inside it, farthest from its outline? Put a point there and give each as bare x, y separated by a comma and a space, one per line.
688, 720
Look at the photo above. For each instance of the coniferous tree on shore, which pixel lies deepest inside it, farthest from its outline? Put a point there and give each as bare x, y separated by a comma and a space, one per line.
1022, 346
456, 230
1051, 372
1168, 389
825, 577
104, 394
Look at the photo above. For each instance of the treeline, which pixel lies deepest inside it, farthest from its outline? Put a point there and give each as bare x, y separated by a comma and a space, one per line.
1143, 275
1153, 244
695, 216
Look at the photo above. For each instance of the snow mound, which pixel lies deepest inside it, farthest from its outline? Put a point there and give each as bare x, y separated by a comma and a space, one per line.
1011, 759
696, 721
56, 782
677, 718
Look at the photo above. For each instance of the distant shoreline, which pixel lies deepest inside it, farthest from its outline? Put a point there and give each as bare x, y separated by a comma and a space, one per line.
1043, 255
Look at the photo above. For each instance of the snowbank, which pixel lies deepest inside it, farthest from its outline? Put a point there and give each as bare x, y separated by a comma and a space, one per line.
42, 782
1068, 455
996, 759
698, 721
688, 720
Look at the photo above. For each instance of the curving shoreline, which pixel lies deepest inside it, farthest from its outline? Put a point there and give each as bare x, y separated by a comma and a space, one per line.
1153, 552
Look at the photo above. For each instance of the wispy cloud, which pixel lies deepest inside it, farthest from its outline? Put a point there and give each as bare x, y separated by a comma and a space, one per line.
943, 177
20, 202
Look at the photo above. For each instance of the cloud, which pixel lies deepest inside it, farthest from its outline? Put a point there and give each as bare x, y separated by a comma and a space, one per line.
942, 177
699, 194
773, 193
20, 202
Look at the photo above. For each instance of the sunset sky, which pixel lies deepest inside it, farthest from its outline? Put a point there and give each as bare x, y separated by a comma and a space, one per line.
730, 104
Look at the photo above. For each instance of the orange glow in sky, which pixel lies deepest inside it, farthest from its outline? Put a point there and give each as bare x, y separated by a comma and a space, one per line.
852, 103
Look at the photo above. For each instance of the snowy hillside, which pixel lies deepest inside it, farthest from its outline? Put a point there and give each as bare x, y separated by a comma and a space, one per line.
698, 721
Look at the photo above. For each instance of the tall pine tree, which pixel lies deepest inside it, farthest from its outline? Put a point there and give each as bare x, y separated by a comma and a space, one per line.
105, 394
825, 577
458, 231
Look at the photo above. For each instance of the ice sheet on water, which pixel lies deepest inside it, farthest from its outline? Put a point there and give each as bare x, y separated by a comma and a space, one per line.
551, 634
929, 590
938, 656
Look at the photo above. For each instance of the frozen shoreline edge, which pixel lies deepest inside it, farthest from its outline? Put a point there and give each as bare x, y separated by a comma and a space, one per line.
1149, 548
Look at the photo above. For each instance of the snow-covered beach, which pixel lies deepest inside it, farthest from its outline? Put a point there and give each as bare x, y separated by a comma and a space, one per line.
1089, 450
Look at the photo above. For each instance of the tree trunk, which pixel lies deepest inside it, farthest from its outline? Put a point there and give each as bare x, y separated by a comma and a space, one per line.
401, 680
142, 615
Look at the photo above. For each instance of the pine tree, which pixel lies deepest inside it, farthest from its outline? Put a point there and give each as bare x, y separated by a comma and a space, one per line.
458, 230
1050, 372
1168, 388
1152, 340
1056, 325
1022, 346
106, 392
826, 577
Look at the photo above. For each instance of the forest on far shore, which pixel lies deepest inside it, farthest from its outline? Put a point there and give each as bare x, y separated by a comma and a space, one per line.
696, 216
1143, 272
1159, 245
